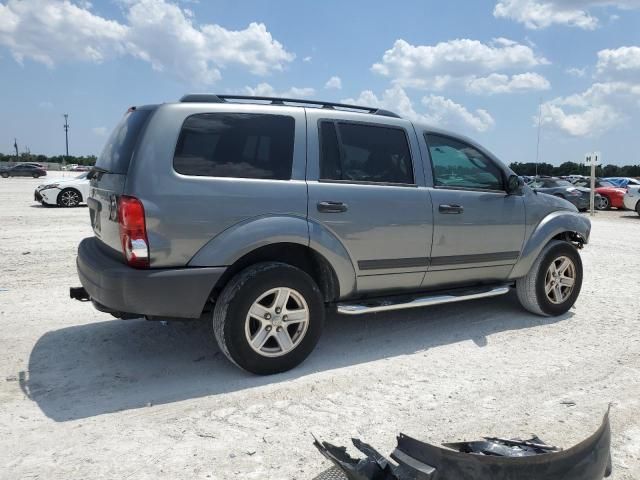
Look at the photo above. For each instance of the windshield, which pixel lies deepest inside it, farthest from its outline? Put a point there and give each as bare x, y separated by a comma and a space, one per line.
81, 176
606, 184
116, 156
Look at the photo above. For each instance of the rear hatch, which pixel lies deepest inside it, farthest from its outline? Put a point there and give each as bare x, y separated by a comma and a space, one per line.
109, 176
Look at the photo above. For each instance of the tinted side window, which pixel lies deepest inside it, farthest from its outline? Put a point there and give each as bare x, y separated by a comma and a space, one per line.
459, 165
364, 153
241, 145
117, 152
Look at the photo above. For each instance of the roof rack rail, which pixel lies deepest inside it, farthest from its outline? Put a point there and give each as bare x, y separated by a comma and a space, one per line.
211, 98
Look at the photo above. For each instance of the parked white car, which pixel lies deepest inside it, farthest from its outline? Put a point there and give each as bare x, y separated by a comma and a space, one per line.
64, 192
631, 199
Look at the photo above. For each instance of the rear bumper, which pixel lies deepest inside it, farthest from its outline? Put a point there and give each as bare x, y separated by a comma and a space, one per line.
174, 292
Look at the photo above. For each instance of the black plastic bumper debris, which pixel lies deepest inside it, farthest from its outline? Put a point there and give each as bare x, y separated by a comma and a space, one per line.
489, 459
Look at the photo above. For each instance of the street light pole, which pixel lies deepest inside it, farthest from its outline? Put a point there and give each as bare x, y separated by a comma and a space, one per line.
538, 140
66, 138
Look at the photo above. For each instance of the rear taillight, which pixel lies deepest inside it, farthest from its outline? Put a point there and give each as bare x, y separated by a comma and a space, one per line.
133, 231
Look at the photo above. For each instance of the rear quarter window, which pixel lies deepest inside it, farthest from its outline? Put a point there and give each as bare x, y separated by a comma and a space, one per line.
117, 152
240, 145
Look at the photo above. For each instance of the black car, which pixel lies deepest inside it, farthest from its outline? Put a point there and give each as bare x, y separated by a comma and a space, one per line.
23, 170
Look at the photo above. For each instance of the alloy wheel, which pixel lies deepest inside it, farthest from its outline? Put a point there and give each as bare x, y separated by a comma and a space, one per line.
70, 198
559, 280
277, 322
603, 203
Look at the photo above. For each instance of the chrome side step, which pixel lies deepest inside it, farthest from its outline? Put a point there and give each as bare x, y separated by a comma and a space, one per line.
399, 303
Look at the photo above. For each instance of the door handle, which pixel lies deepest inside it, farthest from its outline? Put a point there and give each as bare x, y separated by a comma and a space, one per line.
332, 207
450, 209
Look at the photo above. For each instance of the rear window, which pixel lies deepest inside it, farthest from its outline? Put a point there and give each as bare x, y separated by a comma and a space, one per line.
241, 145
117, 152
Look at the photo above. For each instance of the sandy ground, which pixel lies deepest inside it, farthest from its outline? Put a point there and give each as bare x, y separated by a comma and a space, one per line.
84, 396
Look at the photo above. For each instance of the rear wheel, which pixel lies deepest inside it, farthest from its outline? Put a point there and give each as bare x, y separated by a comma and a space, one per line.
269, 318
35, 175
69, 197
4, 175
553, 284
638, 208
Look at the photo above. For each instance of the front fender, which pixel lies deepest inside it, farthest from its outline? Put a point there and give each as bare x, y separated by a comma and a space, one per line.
237, 241
553, 224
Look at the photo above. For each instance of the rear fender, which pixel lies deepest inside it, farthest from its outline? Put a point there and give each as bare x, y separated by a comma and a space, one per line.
243, 238
554, 224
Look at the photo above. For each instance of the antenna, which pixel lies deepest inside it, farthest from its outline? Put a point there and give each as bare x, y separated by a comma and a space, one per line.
538, 141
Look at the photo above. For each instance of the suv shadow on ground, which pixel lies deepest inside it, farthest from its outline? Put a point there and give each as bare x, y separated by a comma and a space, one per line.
110, 366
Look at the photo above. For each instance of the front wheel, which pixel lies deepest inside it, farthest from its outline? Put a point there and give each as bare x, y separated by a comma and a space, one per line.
69, 198
553, 284
4, 175
269, 318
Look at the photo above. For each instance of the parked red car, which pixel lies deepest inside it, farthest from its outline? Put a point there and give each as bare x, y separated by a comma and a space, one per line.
612, 196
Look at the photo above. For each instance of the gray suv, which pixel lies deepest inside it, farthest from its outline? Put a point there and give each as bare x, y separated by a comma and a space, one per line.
262, 212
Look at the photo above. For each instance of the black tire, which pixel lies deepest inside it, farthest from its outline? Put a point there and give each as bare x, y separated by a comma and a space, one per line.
35, 175
4, 175
230, 316
69, 198
531, 288
638, 208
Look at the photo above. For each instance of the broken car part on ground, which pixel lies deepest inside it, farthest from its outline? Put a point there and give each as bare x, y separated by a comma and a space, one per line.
489, 459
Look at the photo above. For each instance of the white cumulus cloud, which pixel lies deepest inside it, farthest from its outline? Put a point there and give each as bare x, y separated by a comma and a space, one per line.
438, 111
156, 31
613, 100
594, 111
334, 82
619, 62
53, 31
266, 90
500, 83
536, 14
453, 63
576, 72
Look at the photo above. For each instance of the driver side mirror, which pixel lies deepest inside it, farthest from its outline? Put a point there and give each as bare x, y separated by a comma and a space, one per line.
513, 184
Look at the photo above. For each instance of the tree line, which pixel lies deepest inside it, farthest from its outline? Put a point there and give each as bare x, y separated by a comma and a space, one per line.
30, 157
573, 168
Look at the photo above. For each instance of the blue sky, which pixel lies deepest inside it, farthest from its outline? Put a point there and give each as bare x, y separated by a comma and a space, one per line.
478, 67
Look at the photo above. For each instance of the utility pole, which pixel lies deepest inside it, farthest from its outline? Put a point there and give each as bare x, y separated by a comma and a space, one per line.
15, 145
66, 138
538, 141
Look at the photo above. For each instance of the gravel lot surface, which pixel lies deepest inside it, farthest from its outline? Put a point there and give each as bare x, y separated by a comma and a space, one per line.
85, 396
